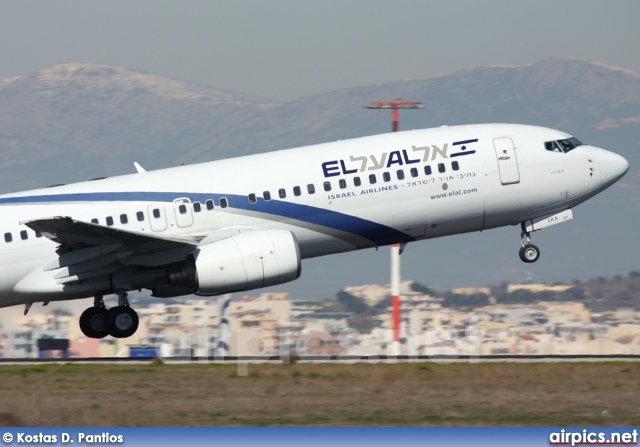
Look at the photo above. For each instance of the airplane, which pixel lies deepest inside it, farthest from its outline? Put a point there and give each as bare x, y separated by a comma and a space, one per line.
244, 223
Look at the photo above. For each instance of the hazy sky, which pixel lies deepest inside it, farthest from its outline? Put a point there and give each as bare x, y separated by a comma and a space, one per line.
287, 49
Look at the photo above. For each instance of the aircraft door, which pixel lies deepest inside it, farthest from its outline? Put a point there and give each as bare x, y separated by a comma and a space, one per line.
183, 212
157, 217
507, 160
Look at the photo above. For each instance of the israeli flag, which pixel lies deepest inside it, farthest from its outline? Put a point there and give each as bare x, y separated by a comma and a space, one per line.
466, 147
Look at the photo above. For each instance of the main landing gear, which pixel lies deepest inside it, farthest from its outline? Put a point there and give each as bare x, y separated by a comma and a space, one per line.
119, 322
528, 252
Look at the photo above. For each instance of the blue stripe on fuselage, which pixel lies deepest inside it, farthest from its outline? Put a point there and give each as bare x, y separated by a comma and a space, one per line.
131, 196
379, 234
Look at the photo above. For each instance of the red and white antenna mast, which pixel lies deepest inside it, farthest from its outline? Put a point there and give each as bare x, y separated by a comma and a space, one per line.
395, 106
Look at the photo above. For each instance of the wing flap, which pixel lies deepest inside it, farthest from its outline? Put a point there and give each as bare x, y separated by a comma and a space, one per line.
95, 273
92, 264
79, 256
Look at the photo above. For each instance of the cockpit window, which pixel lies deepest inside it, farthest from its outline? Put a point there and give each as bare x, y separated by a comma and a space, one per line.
562, 145
566, 145
576, 142
552, 146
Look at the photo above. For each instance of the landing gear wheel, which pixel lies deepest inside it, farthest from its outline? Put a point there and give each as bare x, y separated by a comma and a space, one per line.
529, 253
122, 321
93, 322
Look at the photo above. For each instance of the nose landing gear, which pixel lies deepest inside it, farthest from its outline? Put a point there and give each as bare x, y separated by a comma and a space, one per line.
528, 252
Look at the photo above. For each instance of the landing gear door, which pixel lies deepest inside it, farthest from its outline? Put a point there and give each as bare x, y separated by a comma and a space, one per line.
507, 160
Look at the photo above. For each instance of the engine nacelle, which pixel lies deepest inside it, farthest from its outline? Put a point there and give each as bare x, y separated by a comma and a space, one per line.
243, 261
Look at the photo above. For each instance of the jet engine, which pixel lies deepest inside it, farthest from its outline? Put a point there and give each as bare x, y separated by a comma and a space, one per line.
241, 261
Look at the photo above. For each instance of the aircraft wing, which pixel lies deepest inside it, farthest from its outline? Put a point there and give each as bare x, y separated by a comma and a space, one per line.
90, 250
74, 234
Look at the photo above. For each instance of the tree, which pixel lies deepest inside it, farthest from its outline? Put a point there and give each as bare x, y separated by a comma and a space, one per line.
421, 288
352, 303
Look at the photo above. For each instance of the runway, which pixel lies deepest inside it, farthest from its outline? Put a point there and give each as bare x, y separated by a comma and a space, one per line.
326, 359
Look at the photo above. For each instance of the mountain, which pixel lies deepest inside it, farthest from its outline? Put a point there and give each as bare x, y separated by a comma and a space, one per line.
73, 122
94, 120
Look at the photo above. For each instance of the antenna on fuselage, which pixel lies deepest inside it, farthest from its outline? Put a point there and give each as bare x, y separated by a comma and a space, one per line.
139, 168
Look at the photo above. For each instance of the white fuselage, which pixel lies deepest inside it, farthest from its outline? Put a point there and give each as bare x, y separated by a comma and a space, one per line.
481, 177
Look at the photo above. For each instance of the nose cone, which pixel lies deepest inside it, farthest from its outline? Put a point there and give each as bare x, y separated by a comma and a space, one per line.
612, 167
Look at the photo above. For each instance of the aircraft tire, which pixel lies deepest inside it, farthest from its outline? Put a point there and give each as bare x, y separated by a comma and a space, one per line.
94, 322
529, 253
122, 321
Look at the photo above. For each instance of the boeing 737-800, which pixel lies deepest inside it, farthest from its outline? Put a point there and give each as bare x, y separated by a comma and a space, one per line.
247, 222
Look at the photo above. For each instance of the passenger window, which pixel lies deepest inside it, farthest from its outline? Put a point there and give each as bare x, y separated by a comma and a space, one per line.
356, 181
209, 204
427, 170
296, 191
266, 195
197, 207
311, 189
223, 202
8, 237
400, 174
455, 166
252, 198
140, 216
123, 219
372, 179
109, 221
38, 234
386, 177
441, 167
343, 183
182, 208
414, 172
327, 186
156, 213
23, 235
94, 220
282, 193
